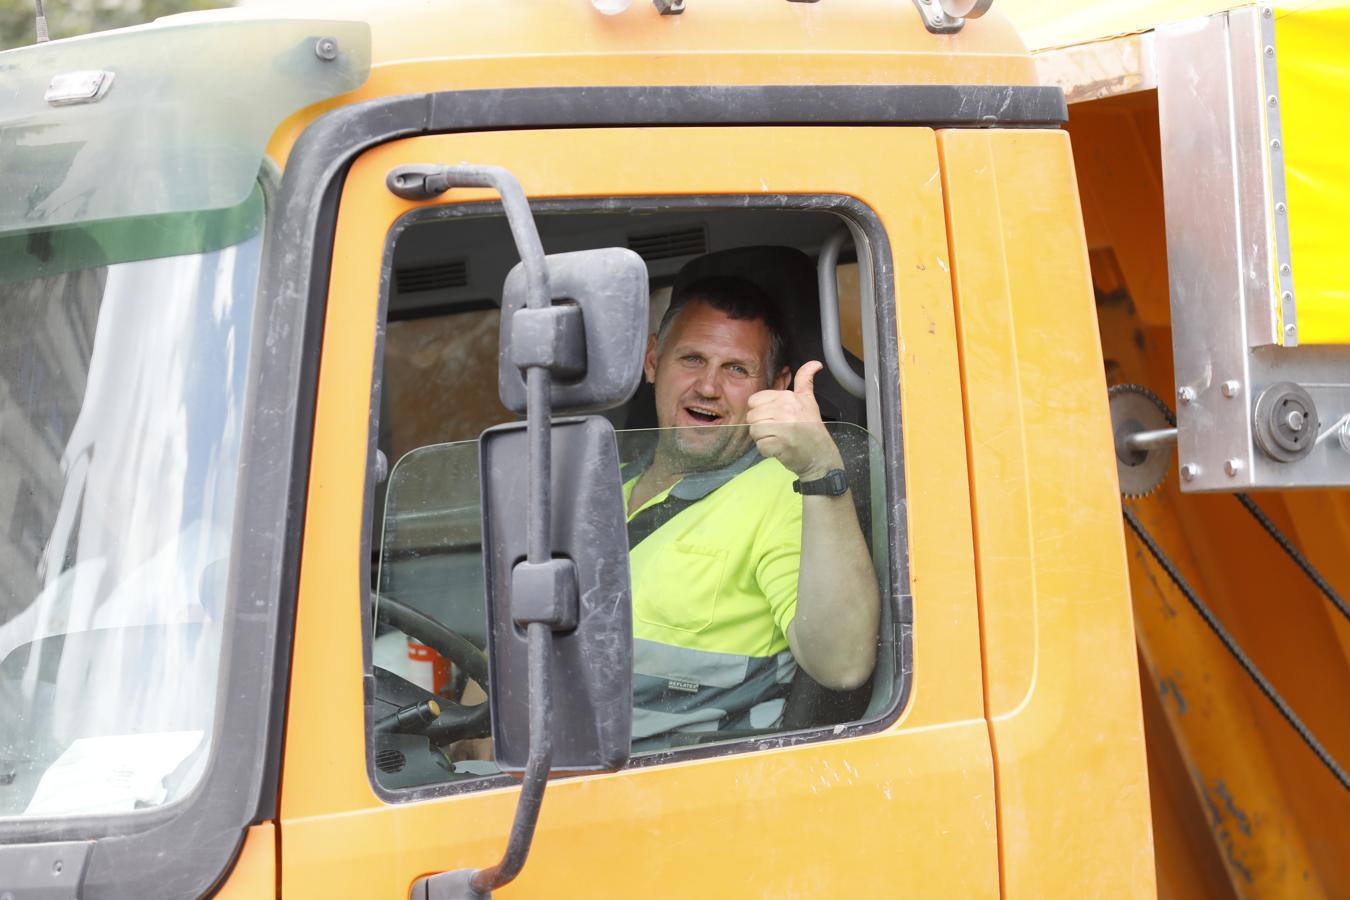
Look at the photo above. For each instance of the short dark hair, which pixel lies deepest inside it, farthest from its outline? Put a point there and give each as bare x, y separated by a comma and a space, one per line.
736, 298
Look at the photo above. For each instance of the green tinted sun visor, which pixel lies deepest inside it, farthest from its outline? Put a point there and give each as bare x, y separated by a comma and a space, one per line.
164, 118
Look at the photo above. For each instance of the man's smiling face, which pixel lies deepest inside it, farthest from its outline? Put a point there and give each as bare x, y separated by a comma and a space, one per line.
705, 371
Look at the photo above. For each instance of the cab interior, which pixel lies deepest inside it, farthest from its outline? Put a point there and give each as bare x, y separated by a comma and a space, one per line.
436, 391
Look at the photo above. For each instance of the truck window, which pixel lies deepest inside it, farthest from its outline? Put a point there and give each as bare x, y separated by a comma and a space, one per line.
715, 552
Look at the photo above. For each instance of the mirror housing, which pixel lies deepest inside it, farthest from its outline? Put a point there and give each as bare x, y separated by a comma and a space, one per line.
604, 318
592, 661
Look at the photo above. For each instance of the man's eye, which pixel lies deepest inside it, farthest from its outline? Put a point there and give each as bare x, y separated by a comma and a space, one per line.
691, 360
739, 371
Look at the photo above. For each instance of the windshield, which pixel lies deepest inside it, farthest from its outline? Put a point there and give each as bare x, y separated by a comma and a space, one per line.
121, 418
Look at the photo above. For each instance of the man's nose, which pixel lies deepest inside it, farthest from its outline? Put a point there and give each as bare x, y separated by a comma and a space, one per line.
709, 384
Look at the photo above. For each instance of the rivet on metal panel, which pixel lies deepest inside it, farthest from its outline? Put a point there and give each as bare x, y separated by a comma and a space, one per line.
1232, 466
1267, 12
1287, 297
1189, 471
1280, 208
1275, 144
326, 49
1273, 100
57, 867
1270, 52
1230, 388
1284, 269
1186, 395
1290, 328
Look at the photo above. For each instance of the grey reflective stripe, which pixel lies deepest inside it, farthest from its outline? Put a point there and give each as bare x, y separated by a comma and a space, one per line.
676, 688
700, 484
702, 667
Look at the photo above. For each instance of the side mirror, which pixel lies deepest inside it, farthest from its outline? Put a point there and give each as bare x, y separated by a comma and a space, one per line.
597, 337
555, 544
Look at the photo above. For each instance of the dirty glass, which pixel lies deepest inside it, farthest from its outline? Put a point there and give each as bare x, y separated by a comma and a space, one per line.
184, 122
430, 562
121, 418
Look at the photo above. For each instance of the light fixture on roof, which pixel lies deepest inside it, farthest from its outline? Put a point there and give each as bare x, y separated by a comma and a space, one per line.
611, 7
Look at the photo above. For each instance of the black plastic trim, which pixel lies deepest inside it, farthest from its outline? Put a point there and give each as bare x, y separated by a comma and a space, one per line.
936, 105
884, 304
435, 311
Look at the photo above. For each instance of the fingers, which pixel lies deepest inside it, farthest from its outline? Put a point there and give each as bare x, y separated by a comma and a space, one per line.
770, 446
762, 430
804, 382
759, 398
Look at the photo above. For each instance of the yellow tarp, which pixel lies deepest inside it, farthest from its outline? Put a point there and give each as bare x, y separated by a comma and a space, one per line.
1314, 64
1313, 44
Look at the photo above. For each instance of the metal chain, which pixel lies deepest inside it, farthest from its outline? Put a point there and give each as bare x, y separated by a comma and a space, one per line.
1288, 546
1236, 651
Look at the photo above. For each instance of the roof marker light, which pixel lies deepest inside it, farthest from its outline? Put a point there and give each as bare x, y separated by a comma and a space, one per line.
71, 88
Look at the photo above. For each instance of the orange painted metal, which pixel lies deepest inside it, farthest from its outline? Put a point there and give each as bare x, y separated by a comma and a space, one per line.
909, 811
454, 45
1060, 685
254, 875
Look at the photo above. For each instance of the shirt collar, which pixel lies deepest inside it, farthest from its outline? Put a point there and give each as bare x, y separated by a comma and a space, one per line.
696, 485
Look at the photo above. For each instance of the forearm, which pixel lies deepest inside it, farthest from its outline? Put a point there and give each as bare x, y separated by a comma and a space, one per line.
834, 633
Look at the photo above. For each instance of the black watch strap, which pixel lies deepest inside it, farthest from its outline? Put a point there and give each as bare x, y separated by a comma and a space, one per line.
832, 484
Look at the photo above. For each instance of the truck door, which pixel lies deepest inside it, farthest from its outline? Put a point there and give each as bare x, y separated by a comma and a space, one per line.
892, 795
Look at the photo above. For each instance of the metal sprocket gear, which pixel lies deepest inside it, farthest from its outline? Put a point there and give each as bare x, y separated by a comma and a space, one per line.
1134, 408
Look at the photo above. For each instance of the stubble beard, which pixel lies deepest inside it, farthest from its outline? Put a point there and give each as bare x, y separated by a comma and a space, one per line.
701, 449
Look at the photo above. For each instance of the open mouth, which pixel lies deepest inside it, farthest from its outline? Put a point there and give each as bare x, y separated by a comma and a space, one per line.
703, 416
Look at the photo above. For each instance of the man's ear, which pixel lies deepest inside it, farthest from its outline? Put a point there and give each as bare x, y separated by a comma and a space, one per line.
649, 360
782, 379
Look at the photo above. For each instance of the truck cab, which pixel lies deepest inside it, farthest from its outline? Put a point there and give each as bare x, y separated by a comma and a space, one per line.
245, 382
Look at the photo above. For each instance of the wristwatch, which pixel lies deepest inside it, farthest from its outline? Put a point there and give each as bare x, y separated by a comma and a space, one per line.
832, 484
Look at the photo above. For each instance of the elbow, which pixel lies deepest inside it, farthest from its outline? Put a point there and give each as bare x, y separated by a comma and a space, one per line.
854, 677
846, 676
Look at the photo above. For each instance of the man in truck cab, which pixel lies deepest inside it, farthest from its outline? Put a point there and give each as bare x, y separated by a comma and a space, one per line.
747, 557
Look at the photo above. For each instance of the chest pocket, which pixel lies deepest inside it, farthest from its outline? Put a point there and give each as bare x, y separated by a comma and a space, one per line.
679, 586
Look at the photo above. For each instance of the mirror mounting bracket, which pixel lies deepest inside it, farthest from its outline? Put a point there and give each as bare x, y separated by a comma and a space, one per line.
545, 593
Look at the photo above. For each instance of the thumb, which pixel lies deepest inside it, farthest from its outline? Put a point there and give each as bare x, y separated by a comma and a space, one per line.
804, 382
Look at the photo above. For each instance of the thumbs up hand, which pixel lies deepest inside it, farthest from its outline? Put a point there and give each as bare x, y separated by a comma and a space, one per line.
787, 426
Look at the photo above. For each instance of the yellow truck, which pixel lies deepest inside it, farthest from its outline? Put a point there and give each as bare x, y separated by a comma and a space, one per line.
280, 617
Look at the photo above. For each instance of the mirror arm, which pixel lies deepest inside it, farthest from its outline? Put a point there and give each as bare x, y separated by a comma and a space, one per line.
422, 182
537, 768
425, 182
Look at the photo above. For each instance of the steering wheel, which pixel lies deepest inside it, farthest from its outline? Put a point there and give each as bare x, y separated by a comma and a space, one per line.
456, 721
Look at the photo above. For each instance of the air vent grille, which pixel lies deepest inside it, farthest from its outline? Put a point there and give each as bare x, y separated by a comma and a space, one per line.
670, 244
390, 760
434, 277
